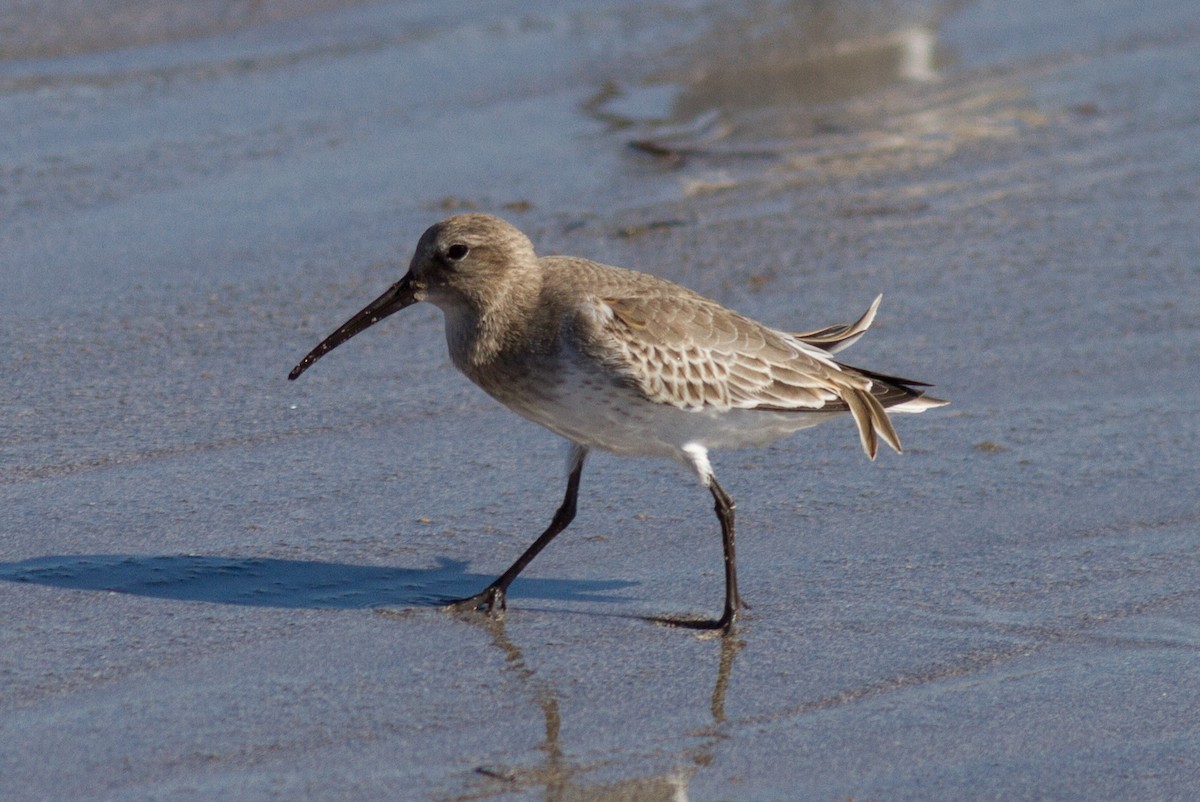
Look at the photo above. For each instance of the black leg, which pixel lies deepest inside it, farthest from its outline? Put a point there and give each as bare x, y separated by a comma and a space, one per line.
733, 601
492, 598
724, 508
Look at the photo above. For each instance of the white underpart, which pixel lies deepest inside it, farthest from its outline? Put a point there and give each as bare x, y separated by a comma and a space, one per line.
697, 457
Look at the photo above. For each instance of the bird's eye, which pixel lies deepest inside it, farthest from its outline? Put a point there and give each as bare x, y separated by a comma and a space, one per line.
457, 252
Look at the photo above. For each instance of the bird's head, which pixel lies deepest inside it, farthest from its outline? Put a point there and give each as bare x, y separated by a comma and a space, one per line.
468, 261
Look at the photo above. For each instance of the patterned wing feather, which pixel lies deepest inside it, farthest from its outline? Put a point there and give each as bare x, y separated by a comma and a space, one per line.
676, 347
691, 352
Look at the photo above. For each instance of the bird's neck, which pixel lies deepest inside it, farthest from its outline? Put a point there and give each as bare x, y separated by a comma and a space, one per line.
480, 333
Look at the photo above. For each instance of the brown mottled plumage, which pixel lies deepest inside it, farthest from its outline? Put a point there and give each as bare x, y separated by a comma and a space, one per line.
627, 362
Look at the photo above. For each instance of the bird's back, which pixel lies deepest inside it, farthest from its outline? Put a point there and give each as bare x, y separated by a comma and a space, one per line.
678, 349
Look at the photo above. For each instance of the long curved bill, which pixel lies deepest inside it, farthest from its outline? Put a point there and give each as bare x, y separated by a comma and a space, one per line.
398, 296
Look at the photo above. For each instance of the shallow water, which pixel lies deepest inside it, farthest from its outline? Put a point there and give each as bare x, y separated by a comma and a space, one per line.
218, 583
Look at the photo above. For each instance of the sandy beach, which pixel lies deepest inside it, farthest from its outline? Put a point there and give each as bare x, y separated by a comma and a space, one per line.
217, 584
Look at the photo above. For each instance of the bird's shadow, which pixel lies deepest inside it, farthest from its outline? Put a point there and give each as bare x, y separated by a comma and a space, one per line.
270, 582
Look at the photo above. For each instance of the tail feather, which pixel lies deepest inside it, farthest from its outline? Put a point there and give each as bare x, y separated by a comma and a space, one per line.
870, 406
832, 339
868, 402
895, 392
872, 421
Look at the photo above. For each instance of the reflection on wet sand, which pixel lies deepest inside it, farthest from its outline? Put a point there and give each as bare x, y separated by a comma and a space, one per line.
804, 52
811, 71
560, 777
809, 90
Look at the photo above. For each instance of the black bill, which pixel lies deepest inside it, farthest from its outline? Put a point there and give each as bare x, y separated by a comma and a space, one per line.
398, 296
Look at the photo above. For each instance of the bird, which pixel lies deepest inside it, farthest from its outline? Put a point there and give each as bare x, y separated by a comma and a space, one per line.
628, 363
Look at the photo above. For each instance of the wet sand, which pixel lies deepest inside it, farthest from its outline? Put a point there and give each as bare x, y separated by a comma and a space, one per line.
218, 584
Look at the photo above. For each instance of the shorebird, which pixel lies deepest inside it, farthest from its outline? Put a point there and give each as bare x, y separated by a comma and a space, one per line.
628, 363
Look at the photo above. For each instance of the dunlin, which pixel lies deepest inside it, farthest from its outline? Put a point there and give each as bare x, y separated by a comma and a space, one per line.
629, 363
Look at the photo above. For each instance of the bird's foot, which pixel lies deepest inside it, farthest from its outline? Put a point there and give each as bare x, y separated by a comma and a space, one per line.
489, 600
724, 624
